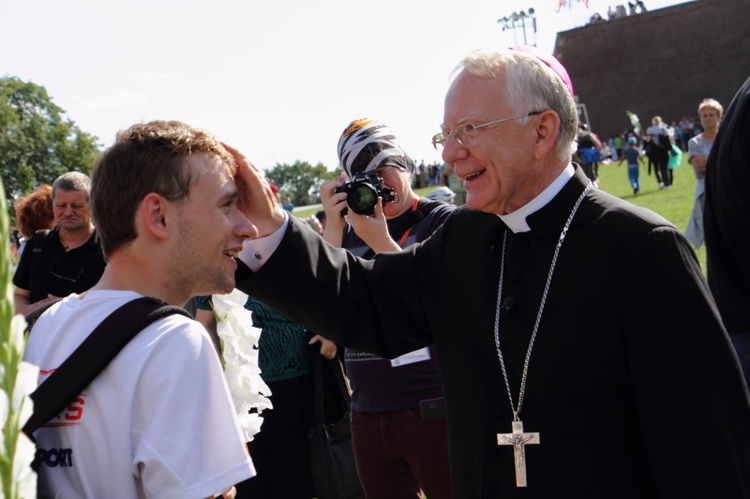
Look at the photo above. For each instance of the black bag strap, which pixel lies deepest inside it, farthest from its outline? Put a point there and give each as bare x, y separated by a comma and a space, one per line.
40, 239
93, 355
332, 369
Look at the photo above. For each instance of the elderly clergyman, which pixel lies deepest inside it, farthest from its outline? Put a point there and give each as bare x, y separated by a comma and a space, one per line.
580, 349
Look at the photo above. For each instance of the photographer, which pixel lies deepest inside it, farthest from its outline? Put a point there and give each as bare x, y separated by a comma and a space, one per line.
402, 395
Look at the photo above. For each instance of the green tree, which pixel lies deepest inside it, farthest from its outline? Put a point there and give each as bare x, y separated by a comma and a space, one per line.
300, 181
38, 143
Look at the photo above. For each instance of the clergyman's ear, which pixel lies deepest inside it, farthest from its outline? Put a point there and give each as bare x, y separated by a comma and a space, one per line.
547, 129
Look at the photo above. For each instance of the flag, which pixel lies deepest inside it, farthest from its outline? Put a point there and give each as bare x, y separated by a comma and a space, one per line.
634, 121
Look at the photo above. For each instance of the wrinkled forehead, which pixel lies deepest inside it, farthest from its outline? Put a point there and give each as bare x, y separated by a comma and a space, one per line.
66, 195
472, 97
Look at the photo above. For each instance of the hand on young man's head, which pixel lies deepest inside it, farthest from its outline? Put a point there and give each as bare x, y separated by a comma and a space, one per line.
256, 199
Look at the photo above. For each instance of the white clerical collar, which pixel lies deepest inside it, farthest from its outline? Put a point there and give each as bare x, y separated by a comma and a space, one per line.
516, 221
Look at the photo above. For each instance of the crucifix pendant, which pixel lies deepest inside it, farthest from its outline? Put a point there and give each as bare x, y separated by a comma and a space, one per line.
518, 439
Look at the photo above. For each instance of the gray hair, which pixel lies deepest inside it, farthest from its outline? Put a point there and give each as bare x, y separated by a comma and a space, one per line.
530, 86
712, 104
72, 181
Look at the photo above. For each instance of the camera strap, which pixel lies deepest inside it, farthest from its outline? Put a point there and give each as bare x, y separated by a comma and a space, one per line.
416, 216
405, 222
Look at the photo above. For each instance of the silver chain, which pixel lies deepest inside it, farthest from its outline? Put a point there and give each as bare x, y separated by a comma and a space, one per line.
517, 409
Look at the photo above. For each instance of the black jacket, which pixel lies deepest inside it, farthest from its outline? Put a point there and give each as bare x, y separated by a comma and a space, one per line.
633, 385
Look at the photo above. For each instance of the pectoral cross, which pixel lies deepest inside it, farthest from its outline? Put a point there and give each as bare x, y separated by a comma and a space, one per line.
518, 439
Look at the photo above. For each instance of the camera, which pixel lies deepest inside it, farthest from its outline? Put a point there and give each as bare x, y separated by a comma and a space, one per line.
363, 192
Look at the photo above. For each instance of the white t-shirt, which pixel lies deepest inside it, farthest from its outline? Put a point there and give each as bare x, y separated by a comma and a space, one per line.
655, 132
157, 422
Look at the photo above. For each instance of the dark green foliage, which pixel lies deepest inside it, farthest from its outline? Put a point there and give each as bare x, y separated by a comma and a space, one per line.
37, 142
299, 181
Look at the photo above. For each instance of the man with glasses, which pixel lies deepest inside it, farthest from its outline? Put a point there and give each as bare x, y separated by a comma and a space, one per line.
559, 380
66, 259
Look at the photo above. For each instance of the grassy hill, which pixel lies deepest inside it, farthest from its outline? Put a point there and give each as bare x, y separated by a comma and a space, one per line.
674, 204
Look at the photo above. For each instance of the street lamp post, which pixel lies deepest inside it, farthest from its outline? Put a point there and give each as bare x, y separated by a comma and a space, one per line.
512, 22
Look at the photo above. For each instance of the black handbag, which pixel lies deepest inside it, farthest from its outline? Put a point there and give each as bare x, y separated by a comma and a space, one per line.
334, 472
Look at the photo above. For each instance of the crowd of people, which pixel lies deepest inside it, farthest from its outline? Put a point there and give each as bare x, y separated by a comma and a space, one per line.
476, 369
619, 12
660, 145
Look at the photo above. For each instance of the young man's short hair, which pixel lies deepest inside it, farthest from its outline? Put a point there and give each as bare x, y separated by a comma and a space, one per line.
146, 158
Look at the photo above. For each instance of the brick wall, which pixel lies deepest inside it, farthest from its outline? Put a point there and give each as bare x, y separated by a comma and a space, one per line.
663, 62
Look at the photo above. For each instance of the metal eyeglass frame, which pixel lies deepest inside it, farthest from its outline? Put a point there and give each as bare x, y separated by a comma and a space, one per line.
465, 133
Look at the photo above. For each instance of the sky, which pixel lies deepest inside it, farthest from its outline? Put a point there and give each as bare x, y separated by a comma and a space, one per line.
278, 79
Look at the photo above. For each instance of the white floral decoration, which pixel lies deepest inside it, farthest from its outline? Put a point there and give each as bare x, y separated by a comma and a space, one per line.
17, 380
240, 354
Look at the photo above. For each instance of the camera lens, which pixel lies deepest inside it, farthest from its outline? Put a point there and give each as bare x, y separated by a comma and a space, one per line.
362, 199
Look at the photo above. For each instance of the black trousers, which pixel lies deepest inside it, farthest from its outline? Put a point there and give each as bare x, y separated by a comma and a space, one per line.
281, 451
661, 167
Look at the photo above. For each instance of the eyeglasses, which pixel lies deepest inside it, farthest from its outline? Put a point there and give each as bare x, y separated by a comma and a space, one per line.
65, 269
466, 133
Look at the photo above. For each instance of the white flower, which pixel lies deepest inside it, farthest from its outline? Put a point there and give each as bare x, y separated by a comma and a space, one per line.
16, 338
240, 354
26, 382
23, 475
19, 407
3, 406
17, 480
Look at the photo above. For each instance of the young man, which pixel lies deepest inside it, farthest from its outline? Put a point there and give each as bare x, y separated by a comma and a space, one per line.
66, 260
618, 382
159, 420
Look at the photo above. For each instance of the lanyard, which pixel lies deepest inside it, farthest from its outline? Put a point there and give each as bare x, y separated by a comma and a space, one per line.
408, 231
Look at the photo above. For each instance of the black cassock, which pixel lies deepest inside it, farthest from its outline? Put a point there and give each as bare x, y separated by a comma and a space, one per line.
727, 214
632, 385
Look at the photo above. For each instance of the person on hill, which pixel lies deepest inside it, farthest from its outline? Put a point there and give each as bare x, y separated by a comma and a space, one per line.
699, 148
634, 159
661, 146
588, 153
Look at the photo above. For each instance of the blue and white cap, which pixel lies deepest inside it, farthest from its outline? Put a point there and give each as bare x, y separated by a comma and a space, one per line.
442, 193
367, 145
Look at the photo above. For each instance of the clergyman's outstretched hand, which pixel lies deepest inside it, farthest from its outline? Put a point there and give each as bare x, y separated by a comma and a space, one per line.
256, 199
